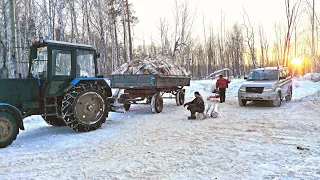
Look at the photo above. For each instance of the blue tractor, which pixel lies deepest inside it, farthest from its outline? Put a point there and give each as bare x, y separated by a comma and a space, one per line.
62, 85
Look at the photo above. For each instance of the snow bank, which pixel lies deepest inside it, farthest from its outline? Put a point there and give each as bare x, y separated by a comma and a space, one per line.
308, 76
302, 89
305, 89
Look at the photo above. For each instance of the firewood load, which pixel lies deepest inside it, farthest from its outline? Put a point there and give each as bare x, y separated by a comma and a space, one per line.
151, 66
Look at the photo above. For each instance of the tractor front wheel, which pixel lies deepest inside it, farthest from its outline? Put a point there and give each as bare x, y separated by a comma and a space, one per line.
8, 129
84, 107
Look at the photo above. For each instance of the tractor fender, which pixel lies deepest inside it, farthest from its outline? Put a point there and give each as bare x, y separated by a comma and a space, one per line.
14, 111
99, 81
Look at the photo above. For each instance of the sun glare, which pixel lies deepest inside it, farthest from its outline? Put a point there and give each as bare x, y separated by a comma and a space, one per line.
296, 62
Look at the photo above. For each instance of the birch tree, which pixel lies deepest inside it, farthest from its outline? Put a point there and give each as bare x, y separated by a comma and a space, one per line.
249, 37
292, 11
13, 42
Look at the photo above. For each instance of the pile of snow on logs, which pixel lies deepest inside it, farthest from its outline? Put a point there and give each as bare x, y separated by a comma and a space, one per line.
151, 66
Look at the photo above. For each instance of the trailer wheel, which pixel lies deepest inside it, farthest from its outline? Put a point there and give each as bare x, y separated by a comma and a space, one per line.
127, 107
8, 129
84, 107
180, 97
156, 103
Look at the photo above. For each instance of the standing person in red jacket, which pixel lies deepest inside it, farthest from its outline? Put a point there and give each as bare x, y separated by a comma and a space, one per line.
222, 84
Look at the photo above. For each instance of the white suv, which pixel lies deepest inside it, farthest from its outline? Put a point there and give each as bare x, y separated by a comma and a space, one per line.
266, 84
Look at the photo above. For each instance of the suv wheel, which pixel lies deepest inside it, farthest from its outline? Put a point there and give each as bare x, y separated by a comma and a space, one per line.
277, 101
242, 102
289, 96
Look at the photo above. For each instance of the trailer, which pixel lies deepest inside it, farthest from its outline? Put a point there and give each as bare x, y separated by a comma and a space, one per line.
149, 88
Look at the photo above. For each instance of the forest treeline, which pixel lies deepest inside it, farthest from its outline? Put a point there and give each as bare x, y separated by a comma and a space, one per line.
108, 25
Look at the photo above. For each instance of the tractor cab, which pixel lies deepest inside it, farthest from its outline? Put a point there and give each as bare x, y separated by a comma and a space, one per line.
56, 64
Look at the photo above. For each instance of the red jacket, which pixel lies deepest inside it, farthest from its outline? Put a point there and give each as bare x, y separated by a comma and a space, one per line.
222, 83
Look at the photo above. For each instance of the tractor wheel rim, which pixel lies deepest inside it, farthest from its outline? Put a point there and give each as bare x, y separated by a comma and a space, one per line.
90, 107
5, 128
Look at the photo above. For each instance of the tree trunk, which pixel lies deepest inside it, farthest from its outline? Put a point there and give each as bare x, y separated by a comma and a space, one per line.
126, 38
61, 20
13, 43
129, 30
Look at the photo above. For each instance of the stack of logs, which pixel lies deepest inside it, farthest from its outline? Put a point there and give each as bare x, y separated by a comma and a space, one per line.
151, 66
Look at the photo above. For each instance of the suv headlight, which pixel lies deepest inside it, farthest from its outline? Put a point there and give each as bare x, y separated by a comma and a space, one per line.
242, 88
269, 88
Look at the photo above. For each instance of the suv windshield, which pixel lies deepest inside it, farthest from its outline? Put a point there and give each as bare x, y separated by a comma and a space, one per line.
263, 75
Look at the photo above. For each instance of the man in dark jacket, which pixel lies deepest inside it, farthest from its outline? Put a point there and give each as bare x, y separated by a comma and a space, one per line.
197, 105
222, 84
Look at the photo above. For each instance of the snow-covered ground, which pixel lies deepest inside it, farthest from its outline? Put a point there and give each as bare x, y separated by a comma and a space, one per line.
253, 142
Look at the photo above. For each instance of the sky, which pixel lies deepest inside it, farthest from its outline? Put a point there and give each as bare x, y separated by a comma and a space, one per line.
264, 12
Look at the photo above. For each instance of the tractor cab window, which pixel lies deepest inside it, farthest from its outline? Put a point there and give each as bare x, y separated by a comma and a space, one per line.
39, 65
61, 62
85, 64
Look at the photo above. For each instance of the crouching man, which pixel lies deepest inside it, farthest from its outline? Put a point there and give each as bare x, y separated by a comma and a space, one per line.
197, 105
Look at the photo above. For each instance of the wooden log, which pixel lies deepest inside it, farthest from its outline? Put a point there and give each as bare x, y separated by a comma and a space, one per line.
209, 112
200, 116
215, 112
206, 109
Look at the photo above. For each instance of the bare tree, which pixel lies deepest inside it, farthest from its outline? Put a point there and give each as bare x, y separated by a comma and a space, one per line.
264, 46
163, 27
249, 37
13, 42
291, 13
129, 29
184, 20
4, 72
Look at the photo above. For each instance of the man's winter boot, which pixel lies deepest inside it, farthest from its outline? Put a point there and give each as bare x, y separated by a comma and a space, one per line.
191, 117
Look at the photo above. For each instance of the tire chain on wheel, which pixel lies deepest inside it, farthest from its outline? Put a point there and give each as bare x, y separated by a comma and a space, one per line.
55, 121
68, 106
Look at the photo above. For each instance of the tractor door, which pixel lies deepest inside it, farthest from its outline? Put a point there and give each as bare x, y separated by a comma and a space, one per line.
61, 70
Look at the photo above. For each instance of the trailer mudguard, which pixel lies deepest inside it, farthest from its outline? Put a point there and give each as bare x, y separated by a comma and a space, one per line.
15, 112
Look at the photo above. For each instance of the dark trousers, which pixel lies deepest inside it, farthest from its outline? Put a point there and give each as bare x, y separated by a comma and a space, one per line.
193, 109
222, 94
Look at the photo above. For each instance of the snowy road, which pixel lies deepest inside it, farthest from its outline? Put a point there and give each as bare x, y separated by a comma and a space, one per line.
253, 142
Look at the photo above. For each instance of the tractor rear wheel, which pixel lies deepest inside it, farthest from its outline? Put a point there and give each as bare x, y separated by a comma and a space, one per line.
84, 107
8, 129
